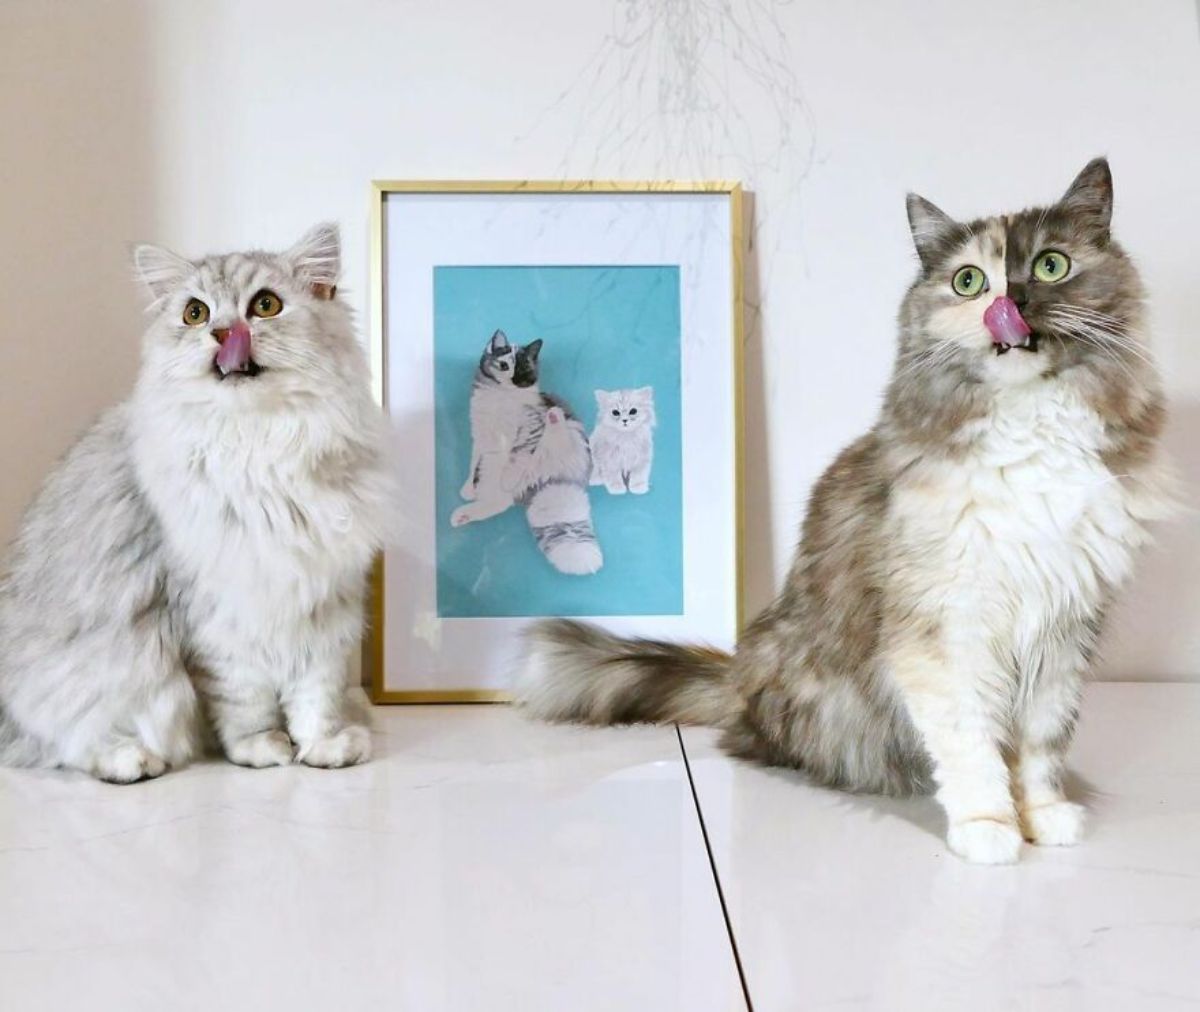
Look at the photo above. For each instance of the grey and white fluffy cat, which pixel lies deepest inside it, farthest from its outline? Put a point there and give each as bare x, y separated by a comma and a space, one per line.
196, 562
622, 442
956, 561
528, 448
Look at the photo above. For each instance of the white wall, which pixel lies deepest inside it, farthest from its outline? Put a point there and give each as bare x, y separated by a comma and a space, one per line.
221, 124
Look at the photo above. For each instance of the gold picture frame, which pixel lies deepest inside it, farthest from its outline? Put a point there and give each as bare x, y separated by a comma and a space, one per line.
373, 647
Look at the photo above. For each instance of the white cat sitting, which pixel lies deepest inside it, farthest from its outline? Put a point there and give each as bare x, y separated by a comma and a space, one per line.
195, 566
622, 443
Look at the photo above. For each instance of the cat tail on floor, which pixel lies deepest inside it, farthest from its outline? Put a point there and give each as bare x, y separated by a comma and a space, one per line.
560, 516
573, 672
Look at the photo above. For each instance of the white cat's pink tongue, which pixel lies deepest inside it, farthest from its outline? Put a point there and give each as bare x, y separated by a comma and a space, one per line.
1005, 323
234, 353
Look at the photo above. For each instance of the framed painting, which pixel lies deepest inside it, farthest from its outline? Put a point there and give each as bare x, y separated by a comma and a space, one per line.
560, 363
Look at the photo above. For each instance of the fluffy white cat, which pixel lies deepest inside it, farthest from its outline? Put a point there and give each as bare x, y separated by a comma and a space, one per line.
196, 563
623, 441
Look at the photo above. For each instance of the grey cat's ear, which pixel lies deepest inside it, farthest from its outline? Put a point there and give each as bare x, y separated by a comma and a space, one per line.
1089, 199
317, 259
499, 343
158, 269
533, 349
931, 227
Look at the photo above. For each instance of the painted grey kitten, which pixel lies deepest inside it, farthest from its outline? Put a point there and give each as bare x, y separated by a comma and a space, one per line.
197, 560
956, 561
528, 448
623, 440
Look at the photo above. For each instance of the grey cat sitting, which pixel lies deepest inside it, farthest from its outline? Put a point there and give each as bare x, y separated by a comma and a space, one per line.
957, 561
196, 562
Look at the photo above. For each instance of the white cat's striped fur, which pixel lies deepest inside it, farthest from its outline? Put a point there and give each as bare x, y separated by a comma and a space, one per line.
196, 563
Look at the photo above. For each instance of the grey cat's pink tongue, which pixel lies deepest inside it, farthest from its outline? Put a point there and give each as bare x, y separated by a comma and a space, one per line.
234, 353
1005, 323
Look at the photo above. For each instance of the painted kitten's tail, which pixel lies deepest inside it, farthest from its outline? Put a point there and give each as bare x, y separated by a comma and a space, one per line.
560, 517
575, 672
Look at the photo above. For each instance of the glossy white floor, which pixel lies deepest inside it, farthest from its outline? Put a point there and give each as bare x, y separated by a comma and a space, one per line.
484, 863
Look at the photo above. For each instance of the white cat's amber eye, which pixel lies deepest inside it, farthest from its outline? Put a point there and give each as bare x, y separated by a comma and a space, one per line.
968, 281
195, 313
266, 304
1051, 265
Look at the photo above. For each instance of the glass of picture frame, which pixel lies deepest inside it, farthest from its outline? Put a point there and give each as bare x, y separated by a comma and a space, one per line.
561, 365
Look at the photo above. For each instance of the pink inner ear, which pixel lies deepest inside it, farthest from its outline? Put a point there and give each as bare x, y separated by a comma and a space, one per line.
324, 292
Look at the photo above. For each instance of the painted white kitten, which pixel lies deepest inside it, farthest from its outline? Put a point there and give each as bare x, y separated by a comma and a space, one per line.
197, 560
623, 441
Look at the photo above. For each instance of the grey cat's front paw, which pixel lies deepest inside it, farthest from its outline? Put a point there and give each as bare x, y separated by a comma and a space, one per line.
127, 763
349, 747
985, 841
262, 749
1058, 824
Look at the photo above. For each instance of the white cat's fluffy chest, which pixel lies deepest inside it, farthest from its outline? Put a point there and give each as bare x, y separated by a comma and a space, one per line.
1028, 526
265, 541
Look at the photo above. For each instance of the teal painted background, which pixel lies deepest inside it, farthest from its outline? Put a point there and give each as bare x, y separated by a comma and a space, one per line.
603, 327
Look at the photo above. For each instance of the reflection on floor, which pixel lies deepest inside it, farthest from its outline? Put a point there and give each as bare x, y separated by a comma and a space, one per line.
485, 863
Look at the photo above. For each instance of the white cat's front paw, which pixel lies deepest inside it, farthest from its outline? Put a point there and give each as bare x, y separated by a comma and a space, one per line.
350, 746
127, 763
461, 516
467, 492
1058, 824
639, 488
614, 489
985, 841
262, 749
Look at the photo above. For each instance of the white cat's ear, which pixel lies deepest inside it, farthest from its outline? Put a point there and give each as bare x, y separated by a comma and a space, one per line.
602, 398
498, 345
644, 394
158, 269
931, 227
317, 259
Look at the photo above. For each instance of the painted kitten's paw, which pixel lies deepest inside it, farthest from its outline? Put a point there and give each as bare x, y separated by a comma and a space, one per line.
262, 749
985, 841
1058, 824
467, 492
127, 763
614, 489
350, 746
639, 487
461, 516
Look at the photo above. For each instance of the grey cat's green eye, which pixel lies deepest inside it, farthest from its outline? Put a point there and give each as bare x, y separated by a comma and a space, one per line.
266, 304
195, 313
1051, 266
968, 281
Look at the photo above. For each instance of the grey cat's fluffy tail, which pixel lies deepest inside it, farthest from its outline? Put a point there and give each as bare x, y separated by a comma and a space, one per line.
575, 672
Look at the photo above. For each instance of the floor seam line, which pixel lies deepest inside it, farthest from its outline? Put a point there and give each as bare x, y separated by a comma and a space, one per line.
712, 864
